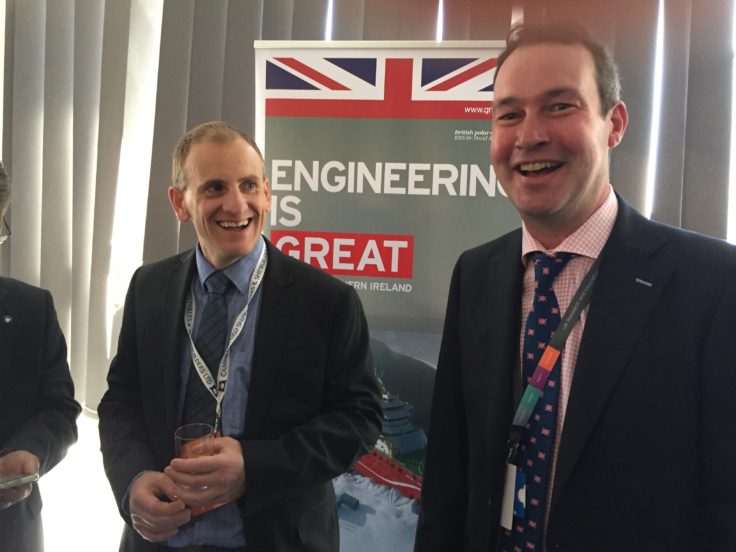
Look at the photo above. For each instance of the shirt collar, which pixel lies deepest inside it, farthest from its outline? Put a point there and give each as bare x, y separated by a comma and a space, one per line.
588, 240
239, 272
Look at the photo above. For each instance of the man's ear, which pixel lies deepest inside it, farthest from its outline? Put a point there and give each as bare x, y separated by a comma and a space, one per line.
619, 118
267, 190
176, 198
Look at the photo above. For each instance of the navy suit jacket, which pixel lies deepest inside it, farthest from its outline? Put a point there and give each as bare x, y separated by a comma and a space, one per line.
648, 447
37, 406
313, 404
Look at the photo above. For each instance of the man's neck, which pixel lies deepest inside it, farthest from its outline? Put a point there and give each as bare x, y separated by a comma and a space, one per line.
550, 239
551, 232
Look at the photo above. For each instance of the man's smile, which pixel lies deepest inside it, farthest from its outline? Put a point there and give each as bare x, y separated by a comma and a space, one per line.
236, 224
535, 168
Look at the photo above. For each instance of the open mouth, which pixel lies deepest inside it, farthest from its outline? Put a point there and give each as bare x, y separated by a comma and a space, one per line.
538, 168
234, 224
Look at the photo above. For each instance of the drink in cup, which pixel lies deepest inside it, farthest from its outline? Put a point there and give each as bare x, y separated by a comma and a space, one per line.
194, 441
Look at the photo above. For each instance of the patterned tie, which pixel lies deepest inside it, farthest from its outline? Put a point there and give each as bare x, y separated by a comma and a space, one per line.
537, 442
199, 402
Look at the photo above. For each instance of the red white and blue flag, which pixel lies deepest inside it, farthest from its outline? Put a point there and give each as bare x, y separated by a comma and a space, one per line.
383, 87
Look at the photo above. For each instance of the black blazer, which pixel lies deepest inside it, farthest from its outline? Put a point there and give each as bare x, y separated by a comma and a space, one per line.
37, 406
313, 405
648, 449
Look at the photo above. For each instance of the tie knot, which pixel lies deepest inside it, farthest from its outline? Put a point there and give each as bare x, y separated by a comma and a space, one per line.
547, 267
217, 282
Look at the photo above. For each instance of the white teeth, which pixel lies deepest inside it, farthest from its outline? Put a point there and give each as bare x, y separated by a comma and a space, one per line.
537, 166
233, 224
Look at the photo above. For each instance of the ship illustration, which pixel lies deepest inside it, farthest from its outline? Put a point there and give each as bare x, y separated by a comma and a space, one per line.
385, 470
398, 459
400, 435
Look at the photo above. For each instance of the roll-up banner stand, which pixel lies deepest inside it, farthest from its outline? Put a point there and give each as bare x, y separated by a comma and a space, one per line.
378, 159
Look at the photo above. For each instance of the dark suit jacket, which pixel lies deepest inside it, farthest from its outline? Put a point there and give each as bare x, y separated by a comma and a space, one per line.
647, 460
313, 405
37, 406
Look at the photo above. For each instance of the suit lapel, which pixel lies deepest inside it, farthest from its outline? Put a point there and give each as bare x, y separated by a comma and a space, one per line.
631, 281
499, 312
501, 307
177, 287
270, 343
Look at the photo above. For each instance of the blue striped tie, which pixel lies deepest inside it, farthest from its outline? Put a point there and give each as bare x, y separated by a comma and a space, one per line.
210, 343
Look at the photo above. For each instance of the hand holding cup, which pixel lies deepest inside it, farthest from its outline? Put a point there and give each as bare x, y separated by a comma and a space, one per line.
194, 440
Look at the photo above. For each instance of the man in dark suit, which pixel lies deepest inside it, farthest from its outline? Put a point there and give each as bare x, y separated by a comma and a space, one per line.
641, 448
301, 402
37, 406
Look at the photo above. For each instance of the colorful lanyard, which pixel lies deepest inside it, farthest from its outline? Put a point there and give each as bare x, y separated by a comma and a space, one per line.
551, 353
217, 389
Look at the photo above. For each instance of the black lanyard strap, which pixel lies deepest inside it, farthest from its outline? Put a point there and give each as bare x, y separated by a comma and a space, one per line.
528, 400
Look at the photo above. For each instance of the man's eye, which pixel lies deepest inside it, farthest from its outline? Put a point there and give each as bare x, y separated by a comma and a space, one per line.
506, 116
250, 185
214, 188
560, 106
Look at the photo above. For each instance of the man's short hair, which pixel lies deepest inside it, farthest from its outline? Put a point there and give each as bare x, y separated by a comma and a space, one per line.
213, 131
607, 77
4, 189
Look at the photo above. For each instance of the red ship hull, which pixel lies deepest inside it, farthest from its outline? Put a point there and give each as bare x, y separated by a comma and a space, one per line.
385, 470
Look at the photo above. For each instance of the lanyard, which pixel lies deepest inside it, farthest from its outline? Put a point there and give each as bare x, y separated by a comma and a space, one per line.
217, 388
528, 401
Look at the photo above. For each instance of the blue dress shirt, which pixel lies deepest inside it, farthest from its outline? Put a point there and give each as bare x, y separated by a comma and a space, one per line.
224, 526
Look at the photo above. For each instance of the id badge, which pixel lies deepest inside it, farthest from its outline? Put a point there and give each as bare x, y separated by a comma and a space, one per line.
520, 495
514, 497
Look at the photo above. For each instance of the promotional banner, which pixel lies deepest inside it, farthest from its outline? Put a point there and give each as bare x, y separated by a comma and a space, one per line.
378, 160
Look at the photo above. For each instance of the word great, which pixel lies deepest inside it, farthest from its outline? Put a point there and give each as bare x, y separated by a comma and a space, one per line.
350, 254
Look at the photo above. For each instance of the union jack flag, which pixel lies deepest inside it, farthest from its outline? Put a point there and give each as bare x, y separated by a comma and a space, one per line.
323, 84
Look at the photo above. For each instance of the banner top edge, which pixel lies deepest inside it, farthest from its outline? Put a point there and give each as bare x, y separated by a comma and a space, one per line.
378, 44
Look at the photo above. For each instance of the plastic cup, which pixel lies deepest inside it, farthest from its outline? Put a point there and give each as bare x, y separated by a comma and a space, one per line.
194, 440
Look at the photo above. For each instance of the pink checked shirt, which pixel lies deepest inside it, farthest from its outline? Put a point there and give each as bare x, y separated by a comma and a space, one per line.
586, 242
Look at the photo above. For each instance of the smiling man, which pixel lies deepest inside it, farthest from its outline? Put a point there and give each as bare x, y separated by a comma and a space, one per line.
587, 369
267, 349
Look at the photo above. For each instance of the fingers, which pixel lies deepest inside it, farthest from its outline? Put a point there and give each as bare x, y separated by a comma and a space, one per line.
29, 463
155, 531
217, 478
19, 462
197, 482
151, 531
11, 496
155, 509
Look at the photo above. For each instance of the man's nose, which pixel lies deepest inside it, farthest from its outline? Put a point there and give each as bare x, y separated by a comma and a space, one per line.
234, 200
532, 132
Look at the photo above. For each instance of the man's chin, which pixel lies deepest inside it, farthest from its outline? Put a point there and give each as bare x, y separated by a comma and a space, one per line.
225, 258
535, 209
